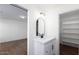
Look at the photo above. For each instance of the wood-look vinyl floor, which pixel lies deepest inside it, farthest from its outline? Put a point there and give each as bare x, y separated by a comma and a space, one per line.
68, 50
18, 47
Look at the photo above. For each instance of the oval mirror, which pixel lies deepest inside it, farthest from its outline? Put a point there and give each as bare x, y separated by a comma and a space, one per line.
40, 27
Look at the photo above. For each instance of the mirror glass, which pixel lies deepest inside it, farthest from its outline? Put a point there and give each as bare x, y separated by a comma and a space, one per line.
40, 27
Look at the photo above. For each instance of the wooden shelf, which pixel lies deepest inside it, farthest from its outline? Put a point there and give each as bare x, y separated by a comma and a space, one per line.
71, 19
70, 23
70, 29
72, 37
71, 33
69, 38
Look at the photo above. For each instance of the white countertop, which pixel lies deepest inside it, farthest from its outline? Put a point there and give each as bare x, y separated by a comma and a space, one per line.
44, 40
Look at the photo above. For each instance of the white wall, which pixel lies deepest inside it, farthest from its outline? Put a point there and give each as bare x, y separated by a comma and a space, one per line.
51, 23
11, 29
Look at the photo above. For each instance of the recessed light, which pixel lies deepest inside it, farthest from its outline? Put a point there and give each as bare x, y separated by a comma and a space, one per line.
23, 17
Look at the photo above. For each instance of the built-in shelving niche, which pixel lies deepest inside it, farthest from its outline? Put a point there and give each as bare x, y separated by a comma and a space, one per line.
69, 26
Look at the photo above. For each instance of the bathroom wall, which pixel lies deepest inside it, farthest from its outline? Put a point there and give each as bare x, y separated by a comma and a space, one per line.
51, 20
52, 24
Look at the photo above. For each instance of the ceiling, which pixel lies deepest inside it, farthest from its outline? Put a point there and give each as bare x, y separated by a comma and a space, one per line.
61, 8
11, 12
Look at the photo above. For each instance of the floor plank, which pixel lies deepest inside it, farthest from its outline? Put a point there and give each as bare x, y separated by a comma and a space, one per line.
18, 47
68, 50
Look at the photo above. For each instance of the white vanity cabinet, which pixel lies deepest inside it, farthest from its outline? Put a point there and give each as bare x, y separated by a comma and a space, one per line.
44, 46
